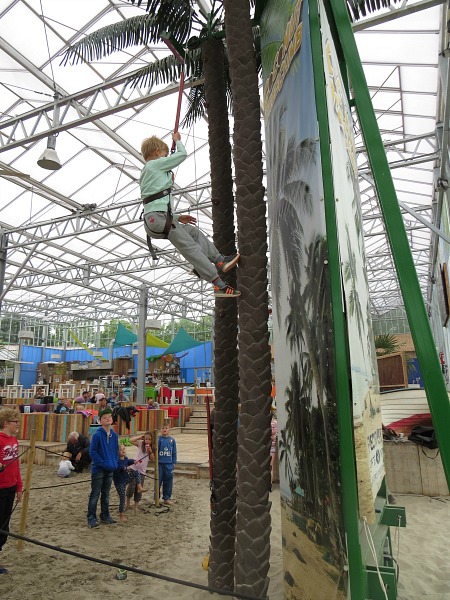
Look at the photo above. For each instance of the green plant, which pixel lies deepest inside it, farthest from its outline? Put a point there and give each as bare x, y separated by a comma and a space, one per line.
386, 343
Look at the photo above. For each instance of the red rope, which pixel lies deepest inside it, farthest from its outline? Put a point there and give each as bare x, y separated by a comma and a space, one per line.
180, 88
177, 117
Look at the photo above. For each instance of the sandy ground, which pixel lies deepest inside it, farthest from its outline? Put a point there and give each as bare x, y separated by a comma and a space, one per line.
174, 544
422, 550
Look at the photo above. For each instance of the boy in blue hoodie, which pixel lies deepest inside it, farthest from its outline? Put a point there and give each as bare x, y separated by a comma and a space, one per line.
104, 451
167, 459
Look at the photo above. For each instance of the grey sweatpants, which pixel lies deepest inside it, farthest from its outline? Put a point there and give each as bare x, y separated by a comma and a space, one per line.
189, 241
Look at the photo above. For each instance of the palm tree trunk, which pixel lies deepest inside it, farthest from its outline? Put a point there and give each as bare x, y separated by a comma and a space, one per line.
253, 509
223, 518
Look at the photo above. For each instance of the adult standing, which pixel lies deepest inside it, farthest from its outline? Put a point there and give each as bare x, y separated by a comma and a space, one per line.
78, 446
10, 478
104, 451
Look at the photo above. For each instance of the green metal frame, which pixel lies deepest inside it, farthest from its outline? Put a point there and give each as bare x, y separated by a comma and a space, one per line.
345, 420
394, 516
424, 343
364, 576
374, 590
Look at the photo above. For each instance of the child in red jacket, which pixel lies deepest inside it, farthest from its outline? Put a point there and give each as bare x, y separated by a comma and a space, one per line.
10, 478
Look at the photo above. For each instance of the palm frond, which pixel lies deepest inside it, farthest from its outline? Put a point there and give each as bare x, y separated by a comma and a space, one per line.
386, 343
291, 233
275, 267
166, 70
360, 8
135, 31
196, 108
174, 16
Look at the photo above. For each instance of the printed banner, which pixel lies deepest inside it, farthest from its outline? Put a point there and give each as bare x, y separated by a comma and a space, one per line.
365, 386
314, 553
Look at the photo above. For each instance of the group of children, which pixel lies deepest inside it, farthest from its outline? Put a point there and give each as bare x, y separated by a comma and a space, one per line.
110, 464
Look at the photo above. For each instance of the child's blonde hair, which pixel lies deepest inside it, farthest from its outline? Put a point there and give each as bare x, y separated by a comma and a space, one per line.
122, 447
67, 455
151, 145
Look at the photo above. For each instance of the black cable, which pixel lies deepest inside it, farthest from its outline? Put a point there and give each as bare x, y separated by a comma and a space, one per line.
47, 487
117, 565
398, 567
50, 451
431, 457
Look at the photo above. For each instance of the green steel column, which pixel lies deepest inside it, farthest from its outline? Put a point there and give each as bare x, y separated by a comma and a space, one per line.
349, 488
430, 367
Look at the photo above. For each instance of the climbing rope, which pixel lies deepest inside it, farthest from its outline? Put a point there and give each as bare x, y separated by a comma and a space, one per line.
180, 87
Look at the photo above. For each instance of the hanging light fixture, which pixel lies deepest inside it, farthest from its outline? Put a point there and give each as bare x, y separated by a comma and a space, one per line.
49, 159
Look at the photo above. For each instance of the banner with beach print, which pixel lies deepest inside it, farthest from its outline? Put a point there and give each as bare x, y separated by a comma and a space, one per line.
368, 436
314, 552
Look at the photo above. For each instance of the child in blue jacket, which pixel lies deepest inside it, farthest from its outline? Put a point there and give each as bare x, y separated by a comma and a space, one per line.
104, 452
167, 459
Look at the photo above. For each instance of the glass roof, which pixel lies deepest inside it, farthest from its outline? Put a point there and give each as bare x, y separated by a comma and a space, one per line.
76, 246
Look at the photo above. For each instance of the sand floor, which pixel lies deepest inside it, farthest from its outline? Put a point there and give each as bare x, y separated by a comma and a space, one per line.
175, 543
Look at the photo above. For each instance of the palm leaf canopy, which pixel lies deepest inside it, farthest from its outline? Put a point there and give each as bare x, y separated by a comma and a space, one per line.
174, 19
135, 31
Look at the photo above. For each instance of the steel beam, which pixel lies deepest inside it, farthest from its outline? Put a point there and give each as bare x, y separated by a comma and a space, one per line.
86, 106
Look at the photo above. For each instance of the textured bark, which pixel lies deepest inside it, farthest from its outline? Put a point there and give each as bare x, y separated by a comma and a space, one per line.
253, 507
223, 523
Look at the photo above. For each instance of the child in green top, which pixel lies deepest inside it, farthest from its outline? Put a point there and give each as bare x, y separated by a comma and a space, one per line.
156, 186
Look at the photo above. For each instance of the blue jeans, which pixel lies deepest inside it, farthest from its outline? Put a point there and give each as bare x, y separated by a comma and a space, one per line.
100, 487
165, 472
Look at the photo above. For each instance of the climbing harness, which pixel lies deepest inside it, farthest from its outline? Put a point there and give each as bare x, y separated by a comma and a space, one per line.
168, 224
157, 196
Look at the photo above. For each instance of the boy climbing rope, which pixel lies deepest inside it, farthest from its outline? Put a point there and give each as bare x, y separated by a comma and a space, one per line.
156, 186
